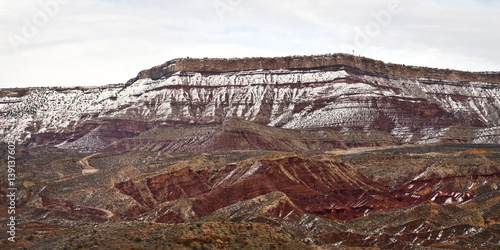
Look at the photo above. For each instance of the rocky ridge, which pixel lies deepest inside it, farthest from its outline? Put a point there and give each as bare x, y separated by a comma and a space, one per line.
324, 62
343, 95
444, 197
258, 153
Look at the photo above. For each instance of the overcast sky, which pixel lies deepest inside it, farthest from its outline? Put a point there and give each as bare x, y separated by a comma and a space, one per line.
97, 42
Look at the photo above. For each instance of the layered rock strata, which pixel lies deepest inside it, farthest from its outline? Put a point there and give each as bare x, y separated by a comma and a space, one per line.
347, 95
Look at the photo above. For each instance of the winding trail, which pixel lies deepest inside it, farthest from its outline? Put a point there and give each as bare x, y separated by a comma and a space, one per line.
108, 213
85, 161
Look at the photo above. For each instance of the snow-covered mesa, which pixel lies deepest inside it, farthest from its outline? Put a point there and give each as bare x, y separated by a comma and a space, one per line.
285, 98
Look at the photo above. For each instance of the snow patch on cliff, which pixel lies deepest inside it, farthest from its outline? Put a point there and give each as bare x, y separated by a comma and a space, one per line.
285, 98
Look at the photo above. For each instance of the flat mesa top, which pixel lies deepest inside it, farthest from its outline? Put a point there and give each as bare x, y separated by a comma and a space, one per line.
220, 65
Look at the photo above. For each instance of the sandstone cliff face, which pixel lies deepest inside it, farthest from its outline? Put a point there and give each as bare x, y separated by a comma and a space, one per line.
348, 99
322, 185
313, 62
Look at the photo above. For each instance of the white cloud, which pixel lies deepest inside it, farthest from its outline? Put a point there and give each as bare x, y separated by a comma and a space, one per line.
99, 42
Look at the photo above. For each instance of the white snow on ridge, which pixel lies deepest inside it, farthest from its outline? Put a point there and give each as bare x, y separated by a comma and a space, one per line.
289, 98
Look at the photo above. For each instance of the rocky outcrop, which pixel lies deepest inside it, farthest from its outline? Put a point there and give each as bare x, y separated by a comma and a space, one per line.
259, 209
349, 95
324, 62
321, 185
238, 134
